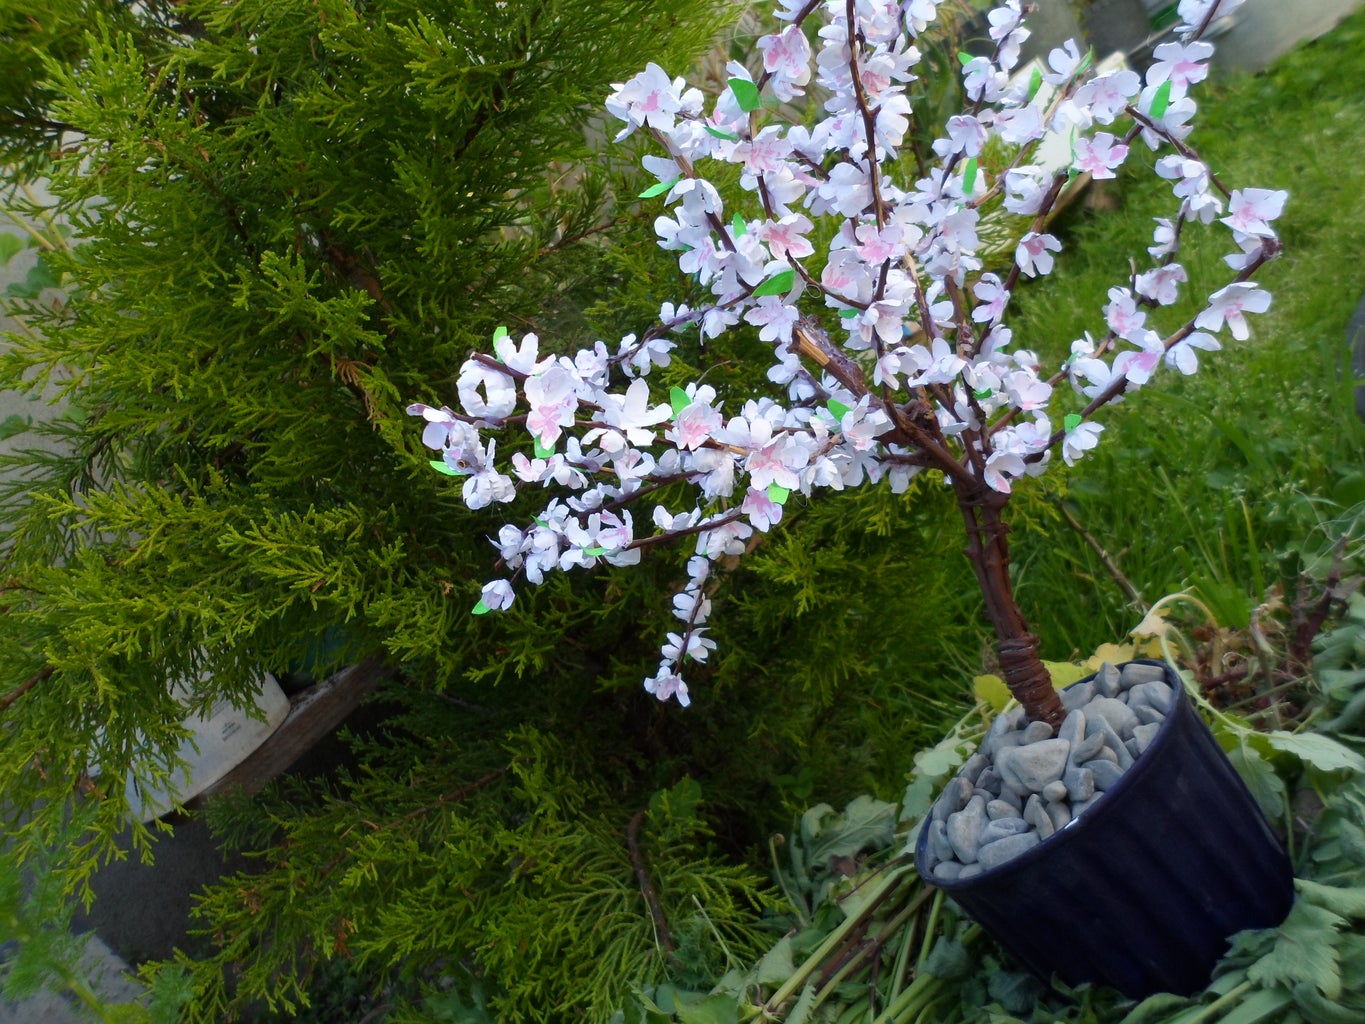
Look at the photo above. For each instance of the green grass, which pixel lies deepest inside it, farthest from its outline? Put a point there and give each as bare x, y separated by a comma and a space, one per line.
1224, 479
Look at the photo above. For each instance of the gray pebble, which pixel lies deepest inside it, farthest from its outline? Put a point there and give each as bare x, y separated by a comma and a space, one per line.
1104, 754
1004, 741
1060, 813
1078, 809
1108, 681
1078, 696
964, 829
1036, 815
1143, 736
938, 841
976, 764
947, 870
1087, 749
1002, 829
1054, 791
1036, 732
989, 780
1007, 849
1153, 695
1134, 675
1120, 716
997, 809
1073, 729
969, 871
953, 798
1080, 784
1112, 740
1148, 715
1105, 773
1011, 798
1028, 769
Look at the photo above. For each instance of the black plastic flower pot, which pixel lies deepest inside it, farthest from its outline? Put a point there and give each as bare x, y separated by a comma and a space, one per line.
1143, 890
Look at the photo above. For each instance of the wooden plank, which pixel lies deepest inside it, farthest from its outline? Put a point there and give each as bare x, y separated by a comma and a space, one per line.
313, 714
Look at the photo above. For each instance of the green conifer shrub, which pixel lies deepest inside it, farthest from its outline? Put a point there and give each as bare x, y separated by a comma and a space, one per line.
294, 218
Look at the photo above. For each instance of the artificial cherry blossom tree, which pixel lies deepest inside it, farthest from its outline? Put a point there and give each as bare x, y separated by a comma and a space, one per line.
890, 349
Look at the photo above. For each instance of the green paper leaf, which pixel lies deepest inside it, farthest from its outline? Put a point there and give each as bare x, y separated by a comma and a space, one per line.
1161, 99
542, 452
969, 176
594, 552
779, 284
441, 467
839, 409
738, 226
982, 395
660, 188
1086, 61
727, 136
1071, 421
848, 314
677, 398
499, 334
746, 93
964, 58
778, 494
481, 608
1035, 82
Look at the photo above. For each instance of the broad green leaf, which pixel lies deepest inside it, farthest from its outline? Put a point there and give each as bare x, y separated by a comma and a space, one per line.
543, 451
948, 960
1155, 1009
964, 58
1259, 1006
727, 136
992, 690
746, 94
779, 284
1318, 1009
14, 424
848, 314
717, 1009
1321, 752
481, 608
839, 409
865, 824
777, 966
945, 756
499, 333
677, 397
596, 552
1161, 99
804, 1005
1305, 950
660, 188
9, 245
1071, 421
778, 494
969, 176
1035, 82
441, 467
738, 226
1350, 902
1064, 673
1260, 777
38, 278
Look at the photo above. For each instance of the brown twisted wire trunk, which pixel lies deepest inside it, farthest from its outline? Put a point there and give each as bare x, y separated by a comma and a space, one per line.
988, 552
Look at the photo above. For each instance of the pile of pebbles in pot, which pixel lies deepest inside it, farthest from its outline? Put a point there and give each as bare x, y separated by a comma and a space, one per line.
1024, 784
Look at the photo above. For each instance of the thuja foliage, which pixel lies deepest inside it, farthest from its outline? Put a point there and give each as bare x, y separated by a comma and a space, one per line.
274, 224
